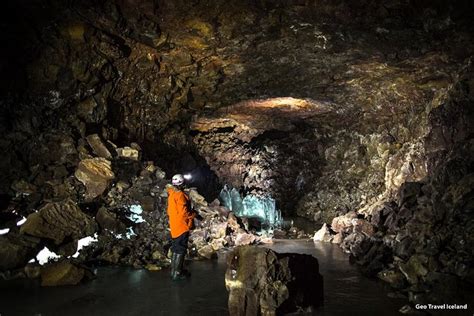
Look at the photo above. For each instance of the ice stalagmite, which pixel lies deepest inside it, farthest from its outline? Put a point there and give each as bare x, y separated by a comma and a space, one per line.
252, 206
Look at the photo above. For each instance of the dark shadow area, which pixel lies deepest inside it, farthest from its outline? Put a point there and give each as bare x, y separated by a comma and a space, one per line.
175, 160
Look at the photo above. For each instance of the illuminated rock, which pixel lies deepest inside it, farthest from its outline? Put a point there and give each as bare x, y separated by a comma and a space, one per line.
98, 146
262, 282
343, 223
61, 273
95, 174
58, 222
323, 234
128, 152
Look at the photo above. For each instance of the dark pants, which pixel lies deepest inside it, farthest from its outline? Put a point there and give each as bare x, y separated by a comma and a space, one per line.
179, 244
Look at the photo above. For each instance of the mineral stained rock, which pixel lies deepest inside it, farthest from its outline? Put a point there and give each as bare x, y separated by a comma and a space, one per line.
61, 273
95, 174
262, 282
128, 153
59, 222
98, 146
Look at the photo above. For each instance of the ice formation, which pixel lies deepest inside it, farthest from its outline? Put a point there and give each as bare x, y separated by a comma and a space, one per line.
21, 221
84, 242
128, 234
136, 216
4, 231
46, 255
256, 206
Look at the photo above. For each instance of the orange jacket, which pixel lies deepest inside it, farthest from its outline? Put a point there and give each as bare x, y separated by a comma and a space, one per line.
179, 212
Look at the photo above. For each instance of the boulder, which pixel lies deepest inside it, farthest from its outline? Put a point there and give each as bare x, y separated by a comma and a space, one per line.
108, 220
414, 268
363, 226
128, 153
338, 238
262, 282
59, 222
356, 243
206, 251
16, 252
323, 234
61, 273
152, 267
343, 223
114, 254
95, 174
197, 199
32, 270
98, 146
243, 239
392, 277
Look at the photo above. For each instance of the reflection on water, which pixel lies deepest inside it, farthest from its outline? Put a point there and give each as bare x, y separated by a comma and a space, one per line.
125, 291
346, 290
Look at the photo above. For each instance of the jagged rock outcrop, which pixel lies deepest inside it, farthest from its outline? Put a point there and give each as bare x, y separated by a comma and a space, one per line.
16, 251
59, 222
262, 282
95, 174
420, 230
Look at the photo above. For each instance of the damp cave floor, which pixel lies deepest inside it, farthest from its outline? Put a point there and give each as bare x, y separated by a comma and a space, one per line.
127, 291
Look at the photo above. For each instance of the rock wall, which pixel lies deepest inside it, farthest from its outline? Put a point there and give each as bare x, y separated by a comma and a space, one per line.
418, 235
138, 70
262, 282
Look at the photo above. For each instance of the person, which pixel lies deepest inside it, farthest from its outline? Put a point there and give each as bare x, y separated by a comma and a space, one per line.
181, 219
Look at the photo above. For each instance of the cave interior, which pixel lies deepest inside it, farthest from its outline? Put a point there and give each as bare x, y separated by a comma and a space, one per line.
355, 117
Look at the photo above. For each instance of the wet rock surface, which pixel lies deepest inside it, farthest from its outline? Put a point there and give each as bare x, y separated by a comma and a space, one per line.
262, 282
59, 222
61, 273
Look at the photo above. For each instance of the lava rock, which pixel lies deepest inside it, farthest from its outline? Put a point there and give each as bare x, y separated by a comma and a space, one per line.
61, 273
17, 251
262, 282
343, 223
128, 153
392, 277
98, 146
108, 220
414, 268
323, 234
245, 239
59, 222
95, 174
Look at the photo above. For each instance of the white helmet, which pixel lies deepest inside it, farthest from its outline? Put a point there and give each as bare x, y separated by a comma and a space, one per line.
177, 179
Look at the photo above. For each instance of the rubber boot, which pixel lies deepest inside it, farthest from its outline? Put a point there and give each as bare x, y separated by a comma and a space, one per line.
176, 267
173, 265
181, 268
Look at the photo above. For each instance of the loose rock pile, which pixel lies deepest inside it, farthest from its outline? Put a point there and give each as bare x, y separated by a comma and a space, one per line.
114, 213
